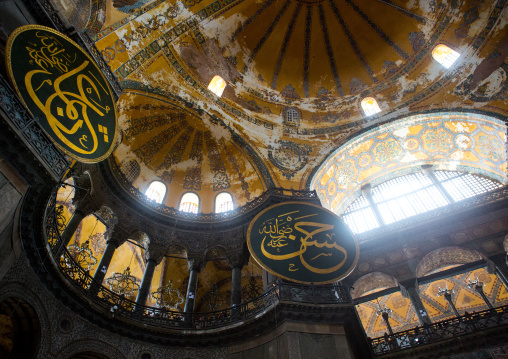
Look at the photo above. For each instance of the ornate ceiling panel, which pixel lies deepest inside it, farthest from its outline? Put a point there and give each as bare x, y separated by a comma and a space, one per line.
186, 150
449, 141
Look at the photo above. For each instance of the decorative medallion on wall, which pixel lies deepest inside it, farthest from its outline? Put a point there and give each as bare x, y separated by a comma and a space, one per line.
303, 243
65, 90
289, 157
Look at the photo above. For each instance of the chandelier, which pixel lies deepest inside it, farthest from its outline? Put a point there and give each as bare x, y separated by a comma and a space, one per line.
82, 255
168, 297
251, 290
123, 283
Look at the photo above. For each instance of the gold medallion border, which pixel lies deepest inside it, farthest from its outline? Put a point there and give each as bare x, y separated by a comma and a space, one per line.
8, 47
351, 269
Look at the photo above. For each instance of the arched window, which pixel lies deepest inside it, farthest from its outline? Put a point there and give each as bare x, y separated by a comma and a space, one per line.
370, 106
292, 117
189, 203
130, 169
444, 55
223, 202
156, 191
412, 194
217, 85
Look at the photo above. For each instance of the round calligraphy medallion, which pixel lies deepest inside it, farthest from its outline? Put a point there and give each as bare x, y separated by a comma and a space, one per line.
303, 243
65, 90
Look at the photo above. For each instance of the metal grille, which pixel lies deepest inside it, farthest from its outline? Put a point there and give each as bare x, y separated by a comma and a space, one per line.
465, 185
131, 170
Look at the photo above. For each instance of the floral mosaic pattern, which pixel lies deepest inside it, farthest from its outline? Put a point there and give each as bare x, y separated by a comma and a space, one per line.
449, 141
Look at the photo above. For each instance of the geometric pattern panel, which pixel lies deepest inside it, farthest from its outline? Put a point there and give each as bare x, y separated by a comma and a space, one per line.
402, 317
465, 299
449, 141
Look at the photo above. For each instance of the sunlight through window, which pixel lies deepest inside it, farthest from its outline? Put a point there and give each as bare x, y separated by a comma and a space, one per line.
223, 202
156, 191
370, 106
189, 203
444, 55
217, 85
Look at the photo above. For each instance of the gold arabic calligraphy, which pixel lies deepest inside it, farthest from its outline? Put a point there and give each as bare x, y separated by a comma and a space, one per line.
282, 229
49, 56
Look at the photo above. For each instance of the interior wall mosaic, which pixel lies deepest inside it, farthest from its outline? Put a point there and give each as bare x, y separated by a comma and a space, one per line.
403, 317
449, 140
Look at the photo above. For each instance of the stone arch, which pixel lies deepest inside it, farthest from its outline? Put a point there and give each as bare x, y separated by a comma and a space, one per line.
371, 282
444, 257
107, 216
93, 347
215, 252
465, 142
30, 321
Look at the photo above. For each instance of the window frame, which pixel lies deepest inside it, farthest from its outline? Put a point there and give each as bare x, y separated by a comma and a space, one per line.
163, 197
180, 202
215, 202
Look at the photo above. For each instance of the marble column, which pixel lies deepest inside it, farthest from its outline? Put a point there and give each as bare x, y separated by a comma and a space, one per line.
367, 193
71, 228
114, 239
146, 282
195, 265
414, 296
237, 261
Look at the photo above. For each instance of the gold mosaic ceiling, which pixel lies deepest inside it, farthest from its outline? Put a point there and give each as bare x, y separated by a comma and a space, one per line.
320, 57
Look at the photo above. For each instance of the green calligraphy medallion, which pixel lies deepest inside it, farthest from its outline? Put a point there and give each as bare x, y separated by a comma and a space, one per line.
65, 90
302, 242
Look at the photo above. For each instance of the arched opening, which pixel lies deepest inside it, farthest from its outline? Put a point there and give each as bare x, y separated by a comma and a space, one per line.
20, 329
459, 142
156, 191
223, 203
217, 85
444, 55
189, 203
370, 106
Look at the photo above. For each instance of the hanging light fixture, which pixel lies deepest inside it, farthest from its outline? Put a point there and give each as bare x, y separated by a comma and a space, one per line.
168, 297
82, 255
123, 283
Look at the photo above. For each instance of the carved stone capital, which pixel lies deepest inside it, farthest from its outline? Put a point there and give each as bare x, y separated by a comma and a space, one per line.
115, 235
196, 261
238, 259
155, 251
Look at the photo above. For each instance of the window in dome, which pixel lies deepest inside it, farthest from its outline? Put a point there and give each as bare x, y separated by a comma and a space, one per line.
444, 55
292, 117
130, 169
413, 194
223, 203
189, 203
156, 191
217, 85
370, 106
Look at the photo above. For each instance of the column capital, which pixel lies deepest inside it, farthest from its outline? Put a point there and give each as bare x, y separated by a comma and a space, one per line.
116, 236
238, 259
428, 169
196, 261
366, 189
155, 252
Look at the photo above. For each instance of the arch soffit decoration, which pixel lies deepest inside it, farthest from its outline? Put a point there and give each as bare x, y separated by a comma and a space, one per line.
24, 294
453, 141
445, 257
372, 282
93, 345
